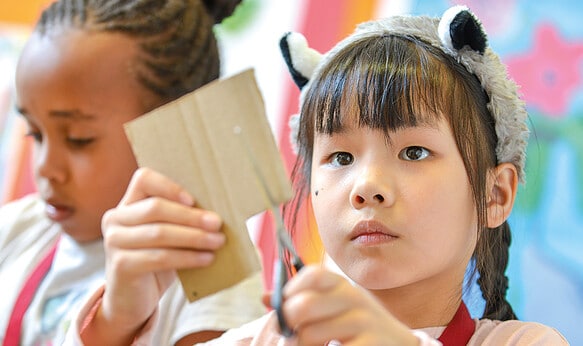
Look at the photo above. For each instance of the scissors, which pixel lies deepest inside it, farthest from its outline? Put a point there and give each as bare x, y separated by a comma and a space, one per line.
285, 248
284, 245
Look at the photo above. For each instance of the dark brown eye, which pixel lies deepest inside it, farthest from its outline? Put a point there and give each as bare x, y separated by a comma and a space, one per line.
414, 153
342, 159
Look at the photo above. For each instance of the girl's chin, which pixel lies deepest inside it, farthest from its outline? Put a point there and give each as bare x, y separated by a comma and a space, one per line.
372, 277
79, 233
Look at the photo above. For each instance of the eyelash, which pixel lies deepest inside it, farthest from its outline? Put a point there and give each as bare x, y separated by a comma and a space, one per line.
36, 136
79, 142
403, 153
76, 143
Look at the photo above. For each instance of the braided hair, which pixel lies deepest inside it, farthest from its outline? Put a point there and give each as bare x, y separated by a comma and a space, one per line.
401, 81
492, 252
178, 49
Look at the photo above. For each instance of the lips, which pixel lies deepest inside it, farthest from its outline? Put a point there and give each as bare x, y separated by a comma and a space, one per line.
57, 212
371, 232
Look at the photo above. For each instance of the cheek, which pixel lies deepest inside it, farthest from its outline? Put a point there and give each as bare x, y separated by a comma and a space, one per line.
454, 211
325, 215
329, 205
119, 168
110, 173
319, 194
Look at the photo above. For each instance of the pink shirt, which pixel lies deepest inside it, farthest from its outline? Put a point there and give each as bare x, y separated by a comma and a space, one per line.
488, 333
262, 332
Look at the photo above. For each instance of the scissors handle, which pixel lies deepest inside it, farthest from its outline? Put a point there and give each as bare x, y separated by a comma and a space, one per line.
280, 277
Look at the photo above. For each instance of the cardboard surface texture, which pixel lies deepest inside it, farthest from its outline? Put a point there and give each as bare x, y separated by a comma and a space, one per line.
217, 143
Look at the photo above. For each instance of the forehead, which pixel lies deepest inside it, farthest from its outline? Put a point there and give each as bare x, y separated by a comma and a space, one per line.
78, 69
80, 52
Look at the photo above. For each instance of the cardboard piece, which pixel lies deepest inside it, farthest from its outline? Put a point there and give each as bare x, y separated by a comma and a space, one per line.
204, 141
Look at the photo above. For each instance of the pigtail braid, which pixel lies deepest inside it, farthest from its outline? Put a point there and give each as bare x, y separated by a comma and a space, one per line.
68, 12
491, 262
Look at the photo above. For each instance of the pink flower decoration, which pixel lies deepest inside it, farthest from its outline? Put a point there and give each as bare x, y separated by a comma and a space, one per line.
495, 15
548, 73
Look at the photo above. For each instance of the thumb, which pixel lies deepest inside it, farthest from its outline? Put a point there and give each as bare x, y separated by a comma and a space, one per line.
266, 300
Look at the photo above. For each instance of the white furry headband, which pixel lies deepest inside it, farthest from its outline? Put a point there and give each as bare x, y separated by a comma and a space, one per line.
459, 34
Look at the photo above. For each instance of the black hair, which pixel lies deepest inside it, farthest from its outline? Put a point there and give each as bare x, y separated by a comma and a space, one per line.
401, 81
178, 49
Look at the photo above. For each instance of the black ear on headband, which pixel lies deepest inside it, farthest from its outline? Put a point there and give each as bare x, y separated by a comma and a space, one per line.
466, 30
301, 60
284, 46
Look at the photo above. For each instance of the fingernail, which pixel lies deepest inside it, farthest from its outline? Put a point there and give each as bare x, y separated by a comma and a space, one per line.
185, 198
206, 257
217, 238
211, 220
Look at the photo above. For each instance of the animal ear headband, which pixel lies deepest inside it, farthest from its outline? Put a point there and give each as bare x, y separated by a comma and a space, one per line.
459, 34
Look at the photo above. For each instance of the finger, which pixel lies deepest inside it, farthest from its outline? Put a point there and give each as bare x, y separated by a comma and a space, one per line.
266, 299
358, 326
163, 236
312, 277
341, 327
154, 209
311, 306
311, 334
146, 183
146, 261
345, 313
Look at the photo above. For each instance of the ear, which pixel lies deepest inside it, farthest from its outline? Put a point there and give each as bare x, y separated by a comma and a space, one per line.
502, 186
301, 60
459, 27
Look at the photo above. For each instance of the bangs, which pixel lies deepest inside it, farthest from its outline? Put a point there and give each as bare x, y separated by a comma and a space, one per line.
387, 83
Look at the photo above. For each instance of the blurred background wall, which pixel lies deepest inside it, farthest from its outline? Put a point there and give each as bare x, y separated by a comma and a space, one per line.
542, 43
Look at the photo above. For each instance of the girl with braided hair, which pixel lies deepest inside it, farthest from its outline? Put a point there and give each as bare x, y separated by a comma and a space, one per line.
88, 67
411, 143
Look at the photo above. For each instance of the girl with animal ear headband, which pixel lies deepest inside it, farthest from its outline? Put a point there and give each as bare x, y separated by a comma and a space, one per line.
411, 143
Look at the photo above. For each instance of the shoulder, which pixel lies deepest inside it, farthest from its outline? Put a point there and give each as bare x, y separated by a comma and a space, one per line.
261, 331
25, 208
20, 215
226, 309
513, 332
238, 304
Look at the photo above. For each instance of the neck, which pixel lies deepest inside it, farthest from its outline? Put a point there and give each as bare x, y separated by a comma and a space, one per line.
422, 305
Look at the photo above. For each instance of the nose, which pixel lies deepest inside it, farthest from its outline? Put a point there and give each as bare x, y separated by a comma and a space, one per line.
50, 162
371, 188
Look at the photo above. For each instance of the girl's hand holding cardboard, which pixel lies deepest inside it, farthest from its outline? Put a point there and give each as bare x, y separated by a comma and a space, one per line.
152, 232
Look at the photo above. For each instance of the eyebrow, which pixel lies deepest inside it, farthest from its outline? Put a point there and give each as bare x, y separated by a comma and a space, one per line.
73, 114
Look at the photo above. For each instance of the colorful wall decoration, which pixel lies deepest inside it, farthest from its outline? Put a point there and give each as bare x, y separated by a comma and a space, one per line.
542, 43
